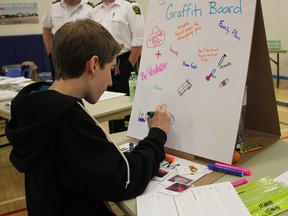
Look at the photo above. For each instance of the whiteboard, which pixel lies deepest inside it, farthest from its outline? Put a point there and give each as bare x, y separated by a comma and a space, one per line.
195, 59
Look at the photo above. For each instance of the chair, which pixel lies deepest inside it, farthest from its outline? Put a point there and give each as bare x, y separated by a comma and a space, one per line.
14, 72
25, 71
29, 70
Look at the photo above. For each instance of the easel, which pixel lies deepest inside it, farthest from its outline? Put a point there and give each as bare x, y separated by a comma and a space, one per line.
210, 114
262, 122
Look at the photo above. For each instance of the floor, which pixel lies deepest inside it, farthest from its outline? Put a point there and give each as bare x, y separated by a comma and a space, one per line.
12, 197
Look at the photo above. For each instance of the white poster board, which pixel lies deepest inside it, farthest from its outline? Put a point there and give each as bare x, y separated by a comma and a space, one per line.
195, 59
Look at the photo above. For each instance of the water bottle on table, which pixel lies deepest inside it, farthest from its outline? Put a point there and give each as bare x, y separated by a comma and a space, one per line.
132, 85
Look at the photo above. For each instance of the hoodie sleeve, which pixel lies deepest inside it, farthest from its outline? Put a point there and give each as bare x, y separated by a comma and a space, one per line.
89, 163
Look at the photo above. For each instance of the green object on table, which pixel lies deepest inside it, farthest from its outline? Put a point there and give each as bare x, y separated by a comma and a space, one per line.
274, 44
264, 196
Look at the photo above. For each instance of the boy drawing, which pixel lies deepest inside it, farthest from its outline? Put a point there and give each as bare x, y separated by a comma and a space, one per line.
70, 166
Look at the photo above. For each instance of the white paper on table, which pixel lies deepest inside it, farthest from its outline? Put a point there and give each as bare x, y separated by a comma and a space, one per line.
219, 199
14, 80
191, 169
282, 178
108, 95
7, 95
155, 186
155, 204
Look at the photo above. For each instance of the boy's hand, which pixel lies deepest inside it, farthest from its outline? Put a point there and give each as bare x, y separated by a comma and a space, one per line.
161, 119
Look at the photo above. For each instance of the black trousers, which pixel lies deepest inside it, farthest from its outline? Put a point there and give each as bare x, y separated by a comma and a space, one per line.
121, 84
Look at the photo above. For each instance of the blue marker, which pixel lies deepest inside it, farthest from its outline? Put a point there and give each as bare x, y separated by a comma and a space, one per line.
226, 170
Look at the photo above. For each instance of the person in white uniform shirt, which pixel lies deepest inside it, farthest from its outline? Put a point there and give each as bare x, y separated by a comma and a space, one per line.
59, 13
123, 19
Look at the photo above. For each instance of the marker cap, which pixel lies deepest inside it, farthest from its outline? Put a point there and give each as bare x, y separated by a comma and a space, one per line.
169, 158
239, 182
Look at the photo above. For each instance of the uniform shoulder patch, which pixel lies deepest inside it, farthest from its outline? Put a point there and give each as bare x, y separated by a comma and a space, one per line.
91, 4
136, 9
56, 1
98, 3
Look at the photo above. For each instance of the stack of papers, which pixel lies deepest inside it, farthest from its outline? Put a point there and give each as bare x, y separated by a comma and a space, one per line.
6, 95
10, 86
108, 95
13, 80
172, 193
219, 199
181, 172
13, 83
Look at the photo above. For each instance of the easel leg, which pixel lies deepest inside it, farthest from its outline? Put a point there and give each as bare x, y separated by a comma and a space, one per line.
277, 70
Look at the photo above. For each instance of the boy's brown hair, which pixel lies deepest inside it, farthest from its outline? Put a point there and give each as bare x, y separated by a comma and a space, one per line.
76, 42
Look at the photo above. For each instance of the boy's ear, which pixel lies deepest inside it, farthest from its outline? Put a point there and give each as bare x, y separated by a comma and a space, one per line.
93, 63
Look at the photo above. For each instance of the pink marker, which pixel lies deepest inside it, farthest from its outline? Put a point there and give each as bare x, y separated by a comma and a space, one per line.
239, 182
245, 171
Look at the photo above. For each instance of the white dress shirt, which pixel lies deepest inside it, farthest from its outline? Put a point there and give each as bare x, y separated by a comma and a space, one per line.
123, 20
60, 13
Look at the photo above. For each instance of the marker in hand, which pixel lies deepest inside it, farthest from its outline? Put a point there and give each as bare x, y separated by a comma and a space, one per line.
151, 114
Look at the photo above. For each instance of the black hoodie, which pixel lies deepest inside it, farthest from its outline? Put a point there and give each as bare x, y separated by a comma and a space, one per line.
70, 166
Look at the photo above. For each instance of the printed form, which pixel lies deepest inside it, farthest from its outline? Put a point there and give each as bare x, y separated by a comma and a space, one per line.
219, 199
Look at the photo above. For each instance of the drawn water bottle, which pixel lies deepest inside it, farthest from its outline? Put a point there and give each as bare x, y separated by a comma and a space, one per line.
132, 85
241, 129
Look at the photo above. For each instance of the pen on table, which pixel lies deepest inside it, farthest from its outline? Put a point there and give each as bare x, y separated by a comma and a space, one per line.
245, 171
169, 158
225, 170
251, 148
239, 182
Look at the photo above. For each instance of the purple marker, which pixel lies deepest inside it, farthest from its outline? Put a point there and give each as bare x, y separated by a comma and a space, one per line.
225, 170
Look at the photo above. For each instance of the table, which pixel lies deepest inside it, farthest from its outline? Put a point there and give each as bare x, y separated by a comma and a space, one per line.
103, 110
4, 111
110, 109
271, 162
277, 61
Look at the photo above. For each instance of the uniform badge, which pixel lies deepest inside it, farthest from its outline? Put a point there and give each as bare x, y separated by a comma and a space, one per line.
136, 9
91, 4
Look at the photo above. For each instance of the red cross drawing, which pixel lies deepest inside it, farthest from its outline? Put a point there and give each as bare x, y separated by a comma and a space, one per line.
158, 54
